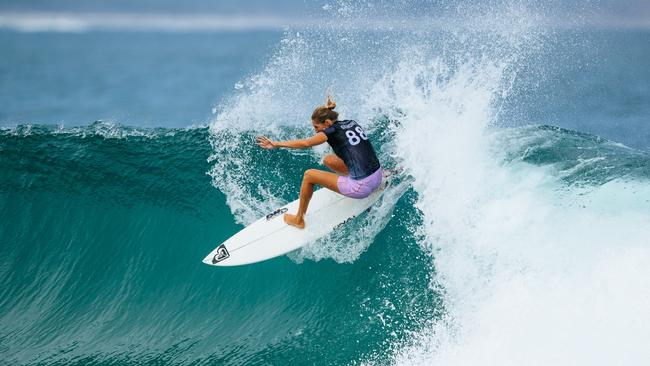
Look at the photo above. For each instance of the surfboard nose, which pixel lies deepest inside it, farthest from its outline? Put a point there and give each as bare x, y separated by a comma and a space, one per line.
217, 255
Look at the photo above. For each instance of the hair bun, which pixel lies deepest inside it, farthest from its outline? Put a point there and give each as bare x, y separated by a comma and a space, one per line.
325, 112
330, 104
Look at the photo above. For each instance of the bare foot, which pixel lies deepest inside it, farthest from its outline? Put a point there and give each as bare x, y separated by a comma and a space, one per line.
293, 220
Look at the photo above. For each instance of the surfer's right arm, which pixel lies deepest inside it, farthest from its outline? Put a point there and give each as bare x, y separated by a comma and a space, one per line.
317, 139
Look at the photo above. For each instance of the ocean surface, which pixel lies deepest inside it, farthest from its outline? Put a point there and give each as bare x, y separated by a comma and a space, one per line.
518, 234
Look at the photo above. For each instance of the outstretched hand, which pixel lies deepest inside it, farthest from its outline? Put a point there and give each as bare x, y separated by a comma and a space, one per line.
264, 142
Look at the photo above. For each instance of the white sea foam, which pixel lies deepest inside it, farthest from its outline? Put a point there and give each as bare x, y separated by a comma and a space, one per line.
554, 278
534, 271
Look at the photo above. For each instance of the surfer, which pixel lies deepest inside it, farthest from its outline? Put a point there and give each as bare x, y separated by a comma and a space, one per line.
357, 170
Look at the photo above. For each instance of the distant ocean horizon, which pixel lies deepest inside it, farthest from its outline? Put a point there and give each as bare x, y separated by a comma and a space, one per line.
178, 79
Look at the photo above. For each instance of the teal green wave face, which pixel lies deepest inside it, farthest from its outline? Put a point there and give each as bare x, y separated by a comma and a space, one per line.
103, 236
104, 228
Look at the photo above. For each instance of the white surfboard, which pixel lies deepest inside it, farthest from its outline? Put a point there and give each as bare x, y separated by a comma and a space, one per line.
270, 236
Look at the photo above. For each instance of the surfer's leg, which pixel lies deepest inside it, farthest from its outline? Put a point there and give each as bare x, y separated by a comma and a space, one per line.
311, 178
336, 164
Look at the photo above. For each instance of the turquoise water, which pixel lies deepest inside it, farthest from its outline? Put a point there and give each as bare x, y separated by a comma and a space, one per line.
102, 263
517, 235
142, 79
105, 227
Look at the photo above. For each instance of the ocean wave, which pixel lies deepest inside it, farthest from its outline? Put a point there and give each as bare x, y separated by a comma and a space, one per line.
144, 207
519, 245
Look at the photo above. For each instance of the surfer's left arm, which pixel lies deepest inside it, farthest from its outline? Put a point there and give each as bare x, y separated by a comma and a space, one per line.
317, 139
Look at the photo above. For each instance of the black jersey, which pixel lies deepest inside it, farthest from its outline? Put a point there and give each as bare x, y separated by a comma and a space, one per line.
351, 144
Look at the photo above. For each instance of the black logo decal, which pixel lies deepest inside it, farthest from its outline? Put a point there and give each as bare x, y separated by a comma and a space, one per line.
343, 223
222, 253
276, 213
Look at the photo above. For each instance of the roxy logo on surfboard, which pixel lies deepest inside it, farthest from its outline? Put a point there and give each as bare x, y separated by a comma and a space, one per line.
222, 253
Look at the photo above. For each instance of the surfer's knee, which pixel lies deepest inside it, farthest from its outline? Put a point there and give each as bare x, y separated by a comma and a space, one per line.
309, 175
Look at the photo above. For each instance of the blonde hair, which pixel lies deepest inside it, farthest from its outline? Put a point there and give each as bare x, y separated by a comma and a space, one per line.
326, 111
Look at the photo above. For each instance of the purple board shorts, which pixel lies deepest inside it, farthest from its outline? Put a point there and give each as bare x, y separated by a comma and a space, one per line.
359, 188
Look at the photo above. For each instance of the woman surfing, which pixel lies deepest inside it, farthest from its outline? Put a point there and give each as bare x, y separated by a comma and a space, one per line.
357, 170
